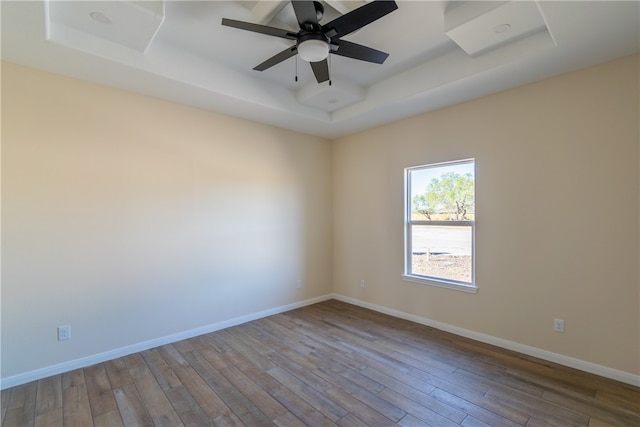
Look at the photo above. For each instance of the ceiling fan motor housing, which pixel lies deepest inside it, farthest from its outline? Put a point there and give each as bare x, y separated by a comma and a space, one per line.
313, 36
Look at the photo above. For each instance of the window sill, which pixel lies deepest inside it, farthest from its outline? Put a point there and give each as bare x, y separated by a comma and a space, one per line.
440, 283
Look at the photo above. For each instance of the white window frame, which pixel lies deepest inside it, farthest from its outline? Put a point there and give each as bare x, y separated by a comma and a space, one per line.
410, 223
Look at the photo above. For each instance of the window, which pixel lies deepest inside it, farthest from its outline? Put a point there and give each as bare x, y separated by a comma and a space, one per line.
440, 224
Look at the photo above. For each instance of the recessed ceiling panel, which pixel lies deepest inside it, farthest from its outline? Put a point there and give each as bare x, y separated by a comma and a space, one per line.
133, 24
478, 27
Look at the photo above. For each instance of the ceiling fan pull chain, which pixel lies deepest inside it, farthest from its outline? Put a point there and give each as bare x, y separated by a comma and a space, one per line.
296, 60
329, 59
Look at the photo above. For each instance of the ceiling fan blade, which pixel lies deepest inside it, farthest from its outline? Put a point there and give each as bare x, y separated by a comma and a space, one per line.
305, 13
262, 29
321, 70
358, 18
276, 59
357, 51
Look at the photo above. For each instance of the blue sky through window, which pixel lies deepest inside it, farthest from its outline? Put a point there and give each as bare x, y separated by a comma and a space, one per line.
420, 178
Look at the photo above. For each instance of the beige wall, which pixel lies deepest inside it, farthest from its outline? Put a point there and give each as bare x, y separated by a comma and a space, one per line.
132, 218
557, 214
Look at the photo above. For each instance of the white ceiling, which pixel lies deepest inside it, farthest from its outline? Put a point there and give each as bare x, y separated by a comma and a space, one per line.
440, 53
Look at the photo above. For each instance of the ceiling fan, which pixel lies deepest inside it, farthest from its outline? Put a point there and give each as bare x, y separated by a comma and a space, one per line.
314, 41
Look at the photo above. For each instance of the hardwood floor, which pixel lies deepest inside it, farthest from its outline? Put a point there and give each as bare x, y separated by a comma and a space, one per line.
323, 365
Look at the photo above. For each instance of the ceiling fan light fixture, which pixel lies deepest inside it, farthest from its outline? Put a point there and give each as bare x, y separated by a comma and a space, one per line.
313, 50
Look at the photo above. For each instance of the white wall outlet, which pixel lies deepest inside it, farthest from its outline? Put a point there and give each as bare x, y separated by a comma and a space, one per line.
298, 283
64, 332
362, 283
558, 325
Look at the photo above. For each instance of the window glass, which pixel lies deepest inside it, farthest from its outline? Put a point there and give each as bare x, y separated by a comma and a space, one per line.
440, 222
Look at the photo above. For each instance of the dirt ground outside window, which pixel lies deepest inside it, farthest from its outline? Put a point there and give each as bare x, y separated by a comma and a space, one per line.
445, 266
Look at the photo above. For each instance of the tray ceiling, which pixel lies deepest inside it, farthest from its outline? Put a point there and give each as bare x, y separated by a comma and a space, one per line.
441, 53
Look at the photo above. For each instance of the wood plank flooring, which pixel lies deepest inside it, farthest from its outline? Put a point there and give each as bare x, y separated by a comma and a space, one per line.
326, 364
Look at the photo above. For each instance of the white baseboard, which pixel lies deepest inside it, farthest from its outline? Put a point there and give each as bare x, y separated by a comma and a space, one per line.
571, 362
83, 362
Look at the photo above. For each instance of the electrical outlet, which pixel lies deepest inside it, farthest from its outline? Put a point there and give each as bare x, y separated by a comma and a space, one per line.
558, 325
298, 283
64, 332
362, 284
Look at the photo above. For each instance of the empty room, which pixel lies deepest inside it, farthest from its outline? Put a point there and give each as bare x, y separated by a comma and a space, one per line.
320, 213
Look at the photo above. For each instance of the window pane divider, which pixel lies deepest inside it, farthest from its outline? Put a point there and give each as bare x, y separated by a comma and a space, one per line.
443, 223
